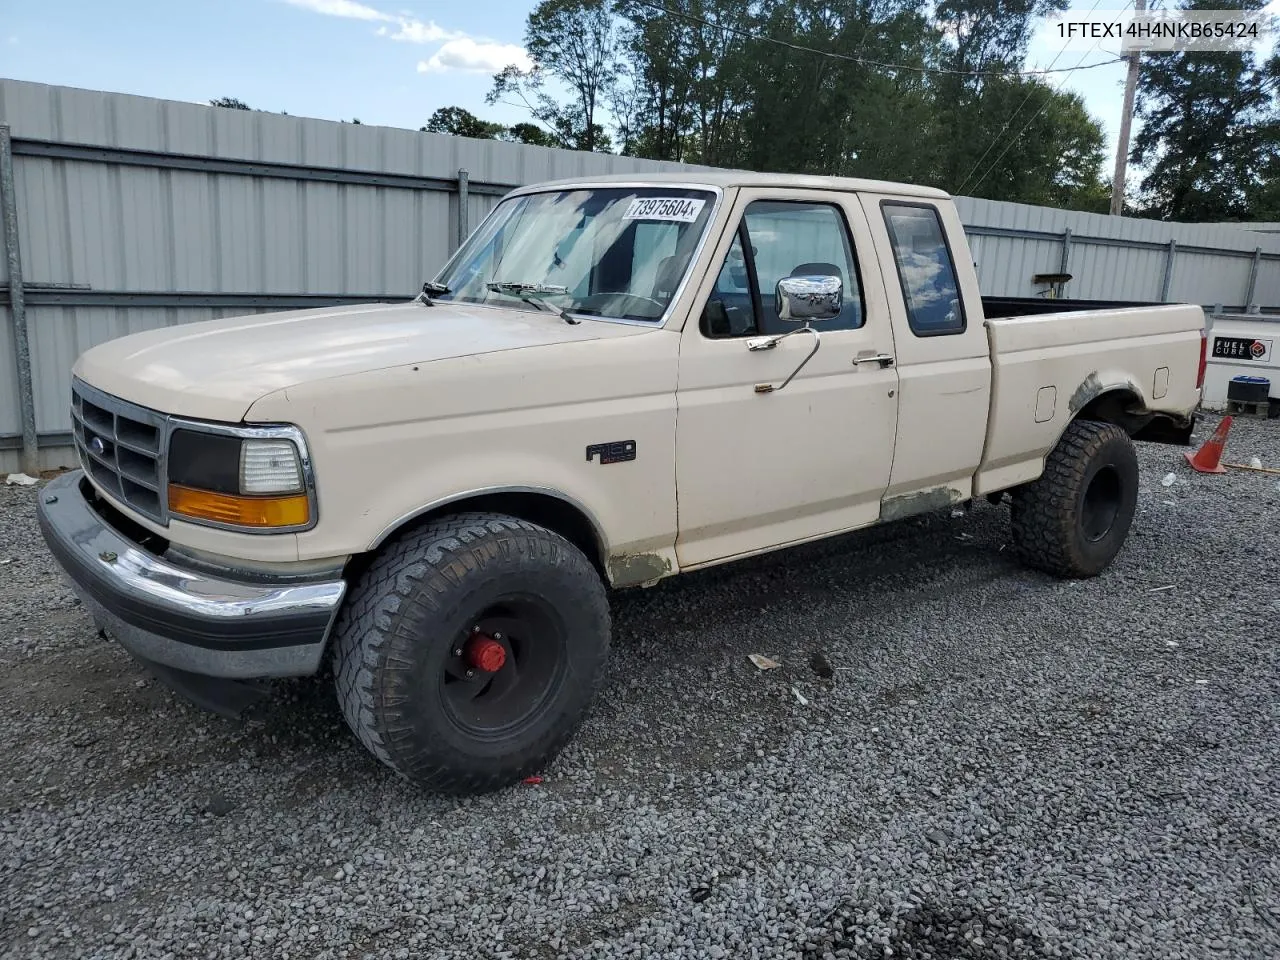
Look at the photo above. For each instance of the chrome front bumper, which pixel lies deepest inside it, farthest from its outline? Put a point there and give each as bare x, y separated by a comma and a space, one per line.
180, 618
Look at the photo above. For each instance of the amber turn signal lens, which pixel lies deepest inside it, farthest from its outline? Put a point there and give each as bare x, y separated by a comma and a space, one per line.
291, 511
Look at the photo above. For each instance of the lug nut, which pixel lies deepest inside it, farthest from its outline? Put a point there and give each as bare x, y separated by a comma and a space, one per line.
470, 674
457, 651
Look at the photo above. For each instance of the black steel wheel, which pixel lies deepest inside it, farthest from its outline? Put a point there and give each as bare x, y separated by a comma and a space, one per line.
1100, 506
468, 652
501, 671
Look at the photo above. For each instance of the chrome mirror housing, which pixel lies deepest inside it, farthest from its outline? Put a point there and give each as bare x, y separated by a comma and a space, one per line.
802, 299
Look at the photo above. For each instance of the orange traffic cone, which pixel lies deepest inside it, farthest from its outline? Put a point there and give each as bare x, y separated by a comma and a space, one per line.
1207, 458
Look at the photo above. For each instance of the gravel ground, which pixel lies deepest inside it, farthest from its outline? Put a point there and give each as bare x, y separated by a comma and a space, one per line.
1001, 765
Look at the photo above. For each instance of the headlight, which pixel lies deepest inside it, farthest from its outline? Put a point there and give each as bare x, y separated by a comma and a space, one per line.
269, 466
229, 479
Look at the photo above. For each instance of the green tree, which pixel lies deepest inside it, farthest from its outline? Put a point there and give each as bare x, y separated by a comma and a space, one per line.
1264, 193
890, 89
980, 102
1209, 136
815, 112
230, 103
573, 42
657, 85
989, 35
528, 133
1052, 154
460, 122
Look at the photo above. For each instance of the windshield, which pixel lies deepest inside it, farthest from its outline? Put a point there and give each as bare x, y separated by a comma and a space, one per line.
618, 253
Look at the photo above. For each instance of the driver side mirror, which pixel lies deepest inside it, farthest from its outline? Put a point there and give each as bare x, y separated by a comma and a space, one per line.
802, 299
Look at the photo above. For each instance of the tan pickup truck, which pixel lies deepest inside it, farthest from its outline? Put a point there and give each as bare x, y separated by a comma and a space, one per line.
613, 381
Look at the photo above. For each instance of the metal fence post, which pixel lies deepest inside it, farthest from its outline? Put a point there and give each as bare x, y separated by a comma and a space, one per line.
464, 227
1253, 278
1168, 270
17, 304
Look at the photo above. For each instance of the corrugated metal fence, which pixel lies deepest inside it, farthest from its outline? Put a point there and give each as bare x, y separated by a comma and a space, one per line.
134, 213
1120, 258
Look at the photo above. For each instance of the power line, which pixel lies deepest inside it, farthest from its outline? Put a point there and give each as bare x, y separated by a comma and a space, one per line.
863, 60
1014, 116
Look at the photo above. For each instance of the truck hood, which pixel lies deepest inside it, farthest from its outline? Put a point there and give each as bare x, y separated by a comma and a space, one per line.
215, 370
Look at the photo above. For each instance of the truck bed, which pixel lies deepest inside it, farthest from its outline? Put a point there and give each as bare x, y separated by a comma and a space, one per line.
1048, 366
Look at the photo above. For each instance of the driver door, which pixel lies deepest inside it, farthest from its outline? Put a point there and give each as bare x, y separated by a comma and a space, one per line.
758, 468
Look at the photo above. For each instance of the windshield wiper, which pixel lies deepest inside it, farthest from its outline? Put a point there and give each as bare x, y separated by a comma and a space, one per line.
431, 289
531, 293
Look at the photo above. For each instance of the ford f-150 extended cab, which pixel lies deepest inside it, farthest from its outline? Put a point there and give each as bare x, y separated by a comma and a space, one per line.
614, 380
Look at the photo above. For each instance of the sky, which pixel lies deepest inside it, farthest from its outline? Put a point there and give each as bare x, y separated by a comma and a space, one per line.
387, 62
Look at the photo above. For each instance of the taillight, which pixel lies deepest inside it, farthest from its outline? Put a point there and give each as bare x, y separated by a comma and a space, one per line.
1204, 357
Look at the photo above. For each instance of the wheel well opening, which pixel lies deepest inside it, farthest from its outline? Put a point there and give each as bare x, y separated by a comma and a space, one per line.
1122, 407
558, 516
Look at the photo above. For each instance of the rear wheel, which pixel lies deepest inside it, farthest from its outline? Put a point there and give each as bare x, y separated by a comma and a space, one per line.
1074, 519
468, 652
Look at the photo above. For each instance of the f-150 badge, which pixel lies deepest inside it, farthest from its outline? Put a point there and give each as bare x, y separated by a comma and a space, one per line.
619, 451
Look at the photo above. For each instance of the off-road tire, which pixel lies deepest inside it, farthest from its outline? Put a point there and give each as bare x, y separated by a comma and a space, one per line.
1049, 515
403, 616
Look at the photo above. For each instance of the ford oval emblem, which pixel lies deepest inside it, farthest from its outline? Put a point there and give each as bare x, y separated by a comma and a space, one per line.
96, 445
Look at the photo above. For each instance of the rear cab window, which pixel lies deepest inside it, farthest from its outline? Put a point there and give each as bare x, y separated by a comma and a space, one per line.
926, 269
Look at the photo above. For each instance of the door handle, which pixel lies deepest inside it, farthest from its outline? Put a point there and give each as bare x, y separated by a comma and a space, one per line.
884, 359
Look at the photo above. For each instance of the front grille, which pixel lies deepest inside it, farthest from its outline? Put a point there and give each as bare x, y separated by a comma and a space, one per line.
121, 447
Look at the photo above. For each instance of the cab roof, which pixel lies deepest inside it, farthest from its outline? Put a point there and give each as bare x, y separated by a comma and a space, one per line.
736, 178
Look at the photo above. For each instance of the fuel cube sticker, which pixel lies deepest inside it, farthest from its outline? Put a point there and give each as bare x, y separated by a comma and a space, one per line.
677, 209
1241, 348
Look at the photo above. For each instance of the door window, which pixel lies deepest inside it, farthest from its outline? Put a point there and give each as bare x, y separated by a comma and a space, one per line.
925, 269
776, 239
730, 311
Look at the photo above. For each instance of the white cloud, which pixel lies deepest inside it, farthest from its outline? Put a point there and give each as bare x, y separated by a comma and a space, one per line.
459, 51
475, 56
408, 29
349, 9
415, 31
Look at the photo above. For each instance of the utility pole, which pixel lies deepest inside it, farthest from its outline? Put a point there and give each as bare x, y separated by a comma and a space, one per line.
1126, 120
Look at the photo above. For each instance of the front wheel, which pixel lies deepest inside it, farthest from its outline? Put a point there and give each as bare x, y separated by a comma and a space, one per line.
1074, 519
468, 652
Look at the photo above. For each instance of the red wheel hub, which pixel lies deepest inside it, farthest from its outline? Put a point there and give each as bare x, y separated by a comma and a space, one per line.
485, 653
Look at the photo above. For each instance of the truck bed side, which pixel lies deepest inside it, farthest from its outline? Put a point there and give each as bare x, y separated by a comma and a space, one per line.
1126, 365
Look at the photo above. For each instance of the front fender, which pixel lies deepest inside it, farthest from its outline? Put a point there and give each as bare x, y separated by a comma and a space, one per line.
393, 444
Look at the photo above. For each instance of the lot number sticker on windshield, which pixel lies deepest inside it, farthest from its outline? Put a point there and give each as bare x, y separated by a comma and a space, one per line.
678, 209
